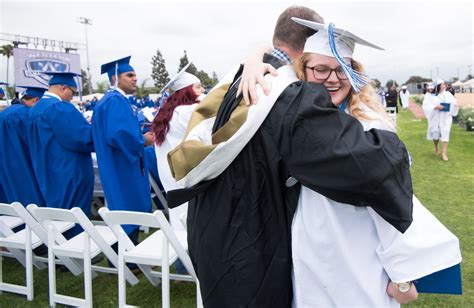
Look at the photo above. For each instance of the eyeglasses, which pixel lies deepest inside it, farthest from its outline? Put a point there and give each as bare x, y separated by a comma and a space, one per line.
323, 72
74, 92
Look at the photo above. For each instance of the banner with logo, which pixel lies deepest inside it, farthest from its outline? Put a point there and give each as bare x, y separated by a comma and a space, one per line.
31, 63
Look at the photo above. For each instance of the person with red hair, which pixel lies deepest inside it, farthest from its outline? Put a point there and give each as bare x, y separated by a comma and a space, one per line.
169, 127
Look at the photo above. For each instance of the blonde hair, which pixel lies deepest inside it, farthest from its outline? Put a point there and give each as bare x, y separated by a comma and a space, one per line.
368, 96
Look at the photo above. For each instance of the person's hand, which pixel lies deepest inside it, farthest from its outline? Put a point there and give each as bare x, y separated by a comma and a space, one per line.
149, 138
402, 297
253, 73
439, 107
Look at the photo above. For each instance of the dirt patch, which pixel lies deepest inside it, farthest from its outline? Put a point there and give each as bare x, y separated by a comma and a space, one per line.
465, 99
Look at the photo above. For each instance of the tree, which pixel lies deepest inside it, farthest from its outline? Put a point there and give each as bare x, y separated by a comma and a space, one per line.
85, 82
159, 74
102, 86
417, 79
183, 61
206, 81
7, 51
141, 90
391, 83
215, 79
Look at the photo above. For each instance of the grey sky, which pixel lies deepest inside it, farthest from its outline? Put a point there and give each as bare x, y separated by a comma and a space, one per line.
418, 36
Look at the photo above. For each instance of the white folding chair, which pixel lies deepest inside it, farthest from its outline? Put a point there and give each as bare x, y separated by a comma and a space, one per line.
7, 223
42, 233
85, 246
18, 241
392, 112
152, 251
159, 194
21, 244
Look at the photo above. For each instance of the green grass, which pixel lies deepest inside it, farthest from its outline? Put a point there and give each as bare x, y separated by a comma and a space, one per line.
445, 188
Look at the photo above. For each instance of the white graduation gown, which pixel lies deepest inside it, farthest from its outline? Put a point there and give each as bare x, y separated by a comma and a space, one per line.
178, 124
439, 122
344, 256
405, 98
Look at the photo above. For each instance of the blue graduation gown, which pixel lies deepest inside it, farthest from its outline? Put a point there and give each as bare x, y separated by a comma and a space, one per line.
60, 143
18, 178
3, 197
119, 145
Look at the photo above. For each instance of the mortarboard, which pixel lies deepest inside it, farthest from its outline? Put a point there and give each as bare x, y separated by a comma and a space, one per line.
438, 81
337, 43
181, 80
117, 67
32, 91
62, 78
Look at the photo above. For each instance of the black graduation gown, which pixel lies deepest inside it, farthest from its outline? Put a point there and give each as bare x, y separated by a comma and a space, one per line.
239, 224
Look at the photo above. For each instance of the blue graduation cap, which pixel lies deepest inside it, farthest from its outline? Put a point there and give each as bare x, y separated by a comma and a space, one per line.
63, 78
117, 67
33, 91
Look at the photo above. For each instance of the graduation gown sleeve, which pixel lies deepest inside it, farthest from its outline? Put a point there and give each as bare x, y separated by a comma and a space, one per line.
121, 131
426, 247
316, 139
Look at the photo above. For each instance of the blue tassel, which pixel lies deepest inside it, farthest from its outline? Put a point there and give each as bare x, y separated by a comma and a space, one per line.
357, 80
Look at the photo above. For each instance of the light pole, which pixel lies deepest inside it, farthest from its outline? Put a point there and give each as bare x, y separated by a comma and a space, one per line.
87, 22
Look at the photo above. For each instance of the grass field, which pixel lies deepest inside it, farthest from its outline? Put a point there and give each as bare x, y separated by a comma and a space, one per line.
445, 188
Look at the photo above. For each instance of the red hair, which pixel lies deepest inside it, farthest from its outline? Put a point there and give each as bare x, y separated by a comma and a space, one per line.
161, 123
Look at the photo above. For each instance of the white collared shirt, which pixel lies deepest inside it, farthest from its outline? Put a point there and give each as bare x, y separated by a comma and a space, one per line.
118, 90
50, 94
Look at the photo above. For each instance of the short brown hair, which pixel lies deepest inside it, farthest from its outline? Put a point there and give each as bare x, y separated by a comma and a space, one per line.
290, 34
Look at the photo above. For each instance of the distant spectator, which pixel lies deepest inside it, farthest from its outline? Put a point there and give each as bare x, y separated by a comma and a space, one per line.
391, 97
450, 89
404, 97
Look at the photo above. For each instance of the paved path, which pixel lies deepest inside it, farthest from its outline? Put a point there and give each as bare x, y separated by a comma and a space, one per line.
416, 110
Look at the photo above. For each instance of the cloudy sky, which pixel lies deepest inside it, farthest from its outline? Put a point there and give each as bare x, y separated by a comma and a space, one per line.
420, 37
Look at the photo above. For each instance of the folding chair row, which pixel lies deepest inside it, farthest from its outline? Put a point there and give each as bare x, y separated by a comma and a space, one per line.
45, 225
21, 243
86, 245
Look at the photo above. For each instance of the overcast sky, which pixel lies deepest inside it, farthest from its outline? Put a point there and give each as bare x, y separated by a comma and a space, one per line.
419, 37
